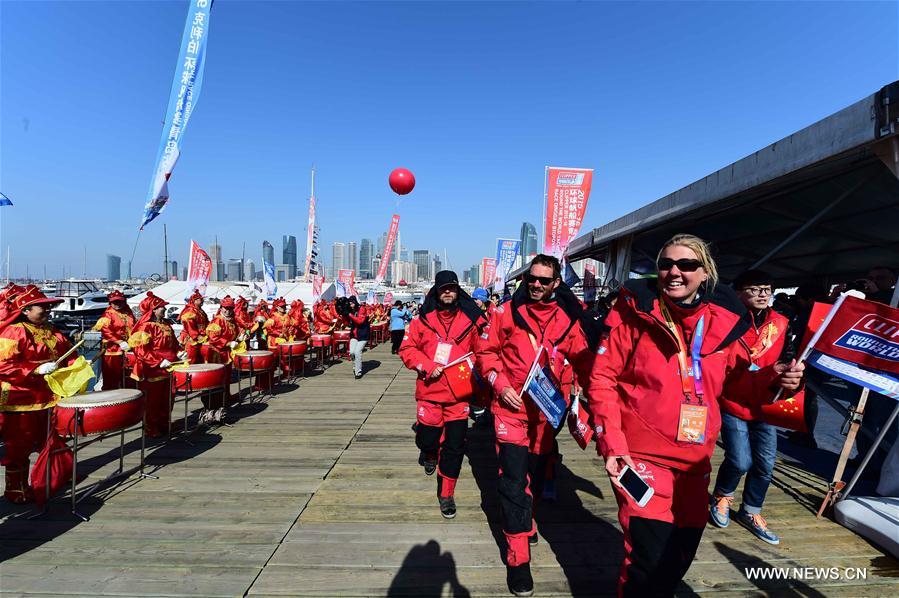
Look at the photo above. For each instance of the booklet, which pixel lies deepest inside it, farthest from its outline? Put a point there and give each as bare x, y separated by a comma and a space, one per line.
541, 387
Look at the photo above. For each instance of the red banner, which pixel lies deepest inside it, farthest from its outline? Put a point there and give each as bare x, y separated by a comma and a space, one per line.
317, 281
488, 271
388, 298
567, 192
388, 248
864, 333
198, 271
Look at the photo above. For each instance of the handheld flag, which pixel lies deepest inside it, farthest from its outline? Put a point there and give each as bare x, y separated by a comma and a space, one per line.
541, 386
71, 380
460, 377
5, 201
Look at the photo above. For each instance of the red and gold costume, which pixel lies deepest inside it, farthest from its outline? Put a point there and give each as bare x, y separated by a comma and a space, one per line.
194, 320
298, 321
324, 321
278, 326
154, 343
115, 325
221, 333
243, 317
24, 394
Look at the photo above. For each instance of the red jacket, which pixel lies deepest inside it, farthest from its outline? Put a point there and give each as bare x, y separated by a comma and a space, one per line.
766, 343
23, 348
506, 353
635, 388
420, 347
152, 342
221, 333
115, 326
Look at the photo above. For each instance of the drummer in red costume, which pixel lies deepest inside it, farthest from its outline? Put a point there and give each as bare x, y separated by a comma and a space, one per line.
224, 335
242, 316
29, 349
115, 325
195, 321
260, 315
155, 348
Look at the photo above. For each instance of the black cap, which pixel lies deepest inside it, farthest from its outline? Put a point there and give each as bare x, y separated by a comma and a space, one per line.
444, 278
753, 277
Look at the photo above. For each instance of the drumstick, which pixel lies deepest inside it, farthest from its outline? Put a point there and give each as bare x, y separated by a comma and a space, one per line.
70, 351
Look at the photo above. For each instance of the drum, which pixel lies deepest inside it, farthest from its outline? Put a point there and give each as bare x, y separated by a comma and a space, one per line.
261, 361
199, 376
341, 336
320, 340
292, 349
105, 411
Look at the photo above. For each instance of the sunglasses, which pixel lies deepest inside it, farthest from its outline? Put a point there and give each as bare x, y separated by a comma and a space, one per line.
683, 264
544, 280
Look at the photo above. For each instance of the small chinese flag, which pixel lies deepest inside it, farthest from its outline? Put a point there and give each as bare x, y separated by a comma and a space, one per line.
460, 378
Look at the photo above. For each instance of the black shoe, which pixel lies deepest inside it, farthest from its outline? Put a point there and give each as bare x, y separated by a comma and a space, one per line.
519, 580
533, 539
357, 376
447, 507
429, 464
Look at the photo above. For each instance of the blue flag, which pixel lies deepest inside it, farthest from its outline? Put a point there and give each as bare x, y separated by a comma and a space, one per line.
182, 100
541, 387
5, 201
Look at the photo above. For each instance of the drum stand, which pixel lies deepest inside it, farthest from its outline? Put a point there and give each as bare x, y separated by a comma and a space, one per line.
291, 360
322, 354
254, 395
76, 446
340, 354
190, 393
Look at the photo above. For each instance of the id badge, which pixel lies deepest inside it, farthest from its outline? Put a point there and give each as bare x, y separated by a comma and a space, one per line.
691, 427
442, 355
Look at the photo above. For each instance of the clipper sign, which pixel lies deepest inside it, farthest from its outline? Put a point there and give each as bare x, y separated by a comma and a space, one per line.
874, 336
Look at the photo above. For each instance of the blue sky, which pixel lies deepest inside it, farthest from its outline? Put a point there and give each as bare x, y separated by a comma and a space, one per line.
475, 98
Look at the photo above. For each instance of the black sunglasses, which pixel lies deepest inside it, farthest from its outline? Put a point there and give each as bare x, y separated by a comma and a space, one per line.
544, 280
683, 264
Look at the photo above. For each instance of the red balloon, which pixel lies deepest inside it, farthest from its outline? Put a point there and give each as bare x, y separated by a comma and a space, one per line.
402, 181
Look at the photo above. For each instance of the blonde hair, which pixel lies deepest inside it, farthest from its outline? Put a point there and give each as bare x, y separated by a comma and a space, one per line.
702, 250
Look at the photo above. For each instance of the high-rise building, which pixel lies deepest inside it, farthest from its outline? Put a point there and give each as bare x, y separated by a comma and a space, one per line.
436, 265
218, 268
404, 254
338, 257
366, 253
249, 270
289, 254
421, 257
184, 273
235, 270
529, 245
173, 270
401, 271
113, 267
352, 257
268, 253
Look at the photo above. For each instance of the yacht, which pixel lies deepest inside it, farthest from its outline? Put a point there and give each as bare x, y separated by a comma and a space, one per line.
80, 299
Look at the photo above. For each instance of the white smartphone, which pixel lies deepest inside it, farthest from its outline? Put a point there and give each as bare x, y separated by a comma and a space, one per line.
635, 487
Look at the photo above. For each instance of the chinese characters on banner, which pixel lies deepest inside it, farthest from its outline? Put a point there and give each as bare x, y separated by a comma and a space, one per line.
310, 242
182, 100
198, 271
346, 283
488, 271
567, 192
506, 252
388, 248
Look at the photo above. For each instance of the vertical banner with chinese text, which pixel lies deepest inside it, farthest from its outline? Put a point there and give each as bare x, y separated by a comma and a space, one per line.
346, 283
506, 252
310, 241
182, 100
198, 270
567, 192
268, 273
388, 248
488, 271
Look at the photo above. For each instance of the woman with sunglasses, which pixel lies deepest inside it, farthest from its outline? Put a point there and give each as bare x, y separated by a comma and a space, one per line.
654, 391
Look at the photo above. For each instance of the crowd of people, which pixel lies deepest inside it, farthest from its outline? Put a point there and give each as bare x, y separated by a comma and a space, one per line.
141, 352
659, 370
672, 362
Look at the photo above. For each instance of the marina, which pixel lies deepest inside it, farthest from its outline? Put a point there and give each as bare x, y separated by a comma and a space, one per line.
317, 493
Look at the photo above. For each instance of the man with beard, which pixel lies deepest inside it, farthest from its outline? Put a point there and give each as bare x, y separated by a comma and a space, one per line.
543, 314
445, 331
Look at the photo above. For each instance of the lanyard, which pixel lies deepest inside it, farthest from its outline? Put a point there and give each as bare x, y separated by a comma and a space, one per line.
695, 354
446, 329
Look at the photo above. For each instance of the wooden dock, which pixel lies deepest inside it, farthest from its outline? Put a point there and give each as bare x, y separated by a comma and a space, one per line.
317, 492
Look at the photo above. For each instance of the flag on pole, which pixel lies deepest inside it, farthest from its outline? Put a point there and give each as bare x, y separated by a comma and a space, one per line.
182, 99
268, 273
506, 252
388, 249
5, 201
460, 376
541, 386
199, 269
567, 192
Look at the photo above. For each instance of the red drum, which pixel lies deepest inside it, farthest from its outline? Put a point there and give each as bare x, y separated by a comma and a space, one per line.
320, 340
99, 412
261, 360
341, 336
292, 349
199, 376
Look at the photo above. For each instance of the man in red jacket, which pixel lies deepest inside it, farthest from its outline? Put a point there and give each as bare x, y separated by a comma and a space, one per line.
542, 313
445, 331
750, 444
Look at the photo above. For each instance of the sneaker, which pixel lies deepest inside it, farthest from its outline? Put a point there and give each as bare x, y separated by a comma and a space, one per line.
447, 506
218, 415
533, 539
519, 580
719, 510
357, 376
758, 526
429, 463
